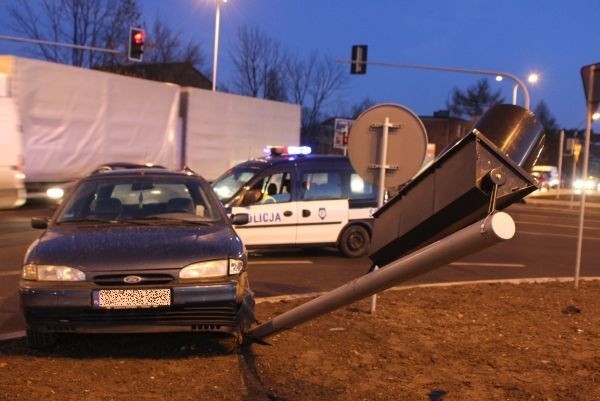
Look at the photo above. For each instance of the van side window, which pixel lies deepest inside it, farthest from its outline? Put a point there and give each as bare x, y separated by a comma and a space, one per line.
322, 185
275, 188
361, 189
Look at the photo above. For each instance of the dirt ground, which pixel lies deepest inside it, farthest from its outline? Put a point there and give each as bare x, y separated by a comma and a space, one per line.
473, 342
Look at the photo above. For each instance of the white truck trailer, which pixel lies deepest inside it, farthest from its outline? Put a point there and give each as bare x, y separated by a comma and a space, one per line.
12, 178
73, 120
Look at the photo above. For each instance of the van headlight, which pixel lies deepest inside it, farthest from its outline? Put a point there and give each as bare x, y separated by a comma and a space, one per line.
212, 268
36, 272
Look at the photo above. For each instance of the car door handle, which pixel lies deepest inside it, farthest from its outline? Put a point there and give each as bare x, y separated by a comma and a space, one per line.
305, 213
287, 213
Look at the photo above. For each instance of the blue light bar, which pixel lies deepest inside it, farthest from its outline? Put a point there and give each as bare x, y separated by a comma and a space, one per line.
287, 150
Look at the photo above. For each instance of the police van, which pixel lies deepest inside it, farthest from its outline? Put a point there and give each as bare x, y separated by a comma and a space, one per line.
295, 198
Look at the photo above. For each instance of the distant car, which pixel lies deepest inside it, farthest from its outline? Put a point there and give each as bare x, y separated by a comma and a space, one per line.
136, 250
589, 185
546, 176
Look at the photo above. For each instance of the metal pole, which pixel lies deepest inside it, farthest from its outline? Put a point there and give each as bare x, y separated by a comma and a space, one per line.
573, 178
381, 182
216, 46
515, 94
455, 69
584, 174
560, 161
383, 161
493, 229
49, 43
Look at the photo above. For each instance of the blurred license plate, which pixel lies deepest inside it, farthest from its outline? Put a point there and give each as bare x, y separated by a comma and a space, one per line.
122, 299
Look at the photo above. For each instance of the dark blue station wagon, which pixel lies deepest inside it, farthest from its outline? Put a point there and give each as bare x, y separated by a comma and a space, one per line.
136, 250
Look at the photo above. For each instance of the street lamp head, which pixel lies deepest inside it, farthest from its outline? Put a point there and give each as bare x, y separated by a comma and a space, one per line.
499, 78
596, 116
533, 78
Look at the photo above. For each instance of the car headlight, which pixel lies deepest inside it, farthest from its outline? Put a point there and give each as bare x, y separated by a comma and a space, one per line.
35, 272
212, 268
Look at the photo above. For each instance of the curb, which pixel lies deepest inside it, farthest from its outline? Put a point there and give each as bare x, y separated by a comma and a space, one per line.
534, 200
537, 280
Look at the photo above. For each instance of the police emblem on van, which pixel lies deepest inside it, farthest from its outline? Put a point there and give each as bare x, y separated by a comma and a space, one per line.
322, 213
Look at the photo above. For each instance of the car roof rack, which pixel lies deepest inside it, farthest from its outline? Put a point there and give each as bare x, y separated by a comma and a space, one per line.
104, 168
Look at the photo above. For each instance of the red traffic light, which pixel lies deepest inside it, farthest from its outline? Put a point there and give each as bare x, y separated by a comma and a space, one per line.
136, 44
138, 38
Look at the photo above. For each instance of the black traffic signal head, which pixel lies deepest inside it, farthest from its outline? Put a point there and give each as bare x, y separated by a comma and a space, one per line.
137, 36
359, 59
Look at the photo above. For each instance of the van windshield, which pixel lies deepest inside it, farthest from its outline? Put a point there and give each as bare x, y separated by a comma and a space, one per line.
230, 183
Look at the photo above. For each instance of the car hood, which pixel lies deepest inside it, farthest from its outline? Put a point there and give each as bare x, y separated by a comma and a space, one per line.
133, 247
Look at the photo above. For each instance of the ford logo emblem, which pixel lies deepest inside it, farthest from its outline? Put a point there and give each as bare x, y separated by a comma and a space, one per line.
132, 279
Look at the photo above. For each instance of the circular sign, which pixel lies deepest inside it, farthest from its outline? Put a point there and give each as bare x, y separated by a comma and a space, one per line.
406, 144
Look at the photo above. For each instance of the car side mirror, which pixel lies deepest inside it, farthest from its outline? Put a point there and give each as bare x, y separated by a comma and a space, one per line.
40, 223
240, 219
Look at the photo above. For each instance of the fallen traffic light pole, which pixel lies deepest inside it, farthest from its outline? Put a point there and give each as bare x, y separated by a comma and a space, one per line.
446, 212
493, 229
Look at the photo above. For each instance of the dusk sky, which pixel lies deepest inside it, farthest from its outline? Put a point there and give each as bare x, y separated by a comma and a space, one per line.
553, 38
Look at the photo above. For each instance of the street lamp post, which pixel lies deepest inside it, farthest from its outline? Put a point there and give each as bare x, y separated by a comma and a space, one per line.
216, 46
532, 79
512, 77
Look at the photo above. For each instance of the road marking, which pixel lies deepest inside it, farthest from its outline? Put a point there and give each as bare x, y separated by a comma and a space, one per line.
483, 264
10, 273
557, 235
537, 223
281, 262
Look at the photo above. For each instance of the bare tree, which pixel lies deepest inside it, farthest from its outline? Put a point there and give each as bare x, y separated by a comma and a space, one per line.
474, 101
164, 45
258, 61
314, 83
326, 79
264, 70
102, 24
358, 108
549, 153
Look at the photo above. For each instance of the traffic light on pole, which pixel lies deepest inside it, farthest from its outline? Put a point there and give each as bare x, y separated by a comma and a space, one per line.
359, 59
137, 37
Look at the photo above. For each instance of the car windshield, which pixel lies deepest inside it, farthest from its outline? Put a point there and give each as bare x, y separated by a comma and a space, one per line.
227, 185
136, 198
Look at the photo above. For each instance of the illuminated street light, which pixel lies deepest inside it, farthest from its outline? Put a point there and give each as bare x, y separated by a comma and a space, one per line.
533, 78
216, 46
596, 116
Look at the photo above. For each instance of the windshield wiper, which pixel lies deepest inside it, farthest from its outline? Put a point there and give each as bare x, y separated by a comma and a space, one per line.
88, 220
167, 219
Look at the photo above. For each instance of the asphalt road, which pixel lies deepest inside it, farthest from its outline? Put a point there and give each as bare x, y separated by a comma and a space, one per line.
544, 246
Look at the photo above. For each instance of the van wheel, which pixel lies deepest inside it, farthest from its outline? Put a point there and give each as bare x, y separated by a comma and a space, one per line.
37, 339
354, 241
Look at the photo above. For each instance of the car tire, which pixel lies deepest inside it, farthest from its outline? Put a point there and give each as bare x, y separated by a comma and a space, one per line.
37, 339
354, 241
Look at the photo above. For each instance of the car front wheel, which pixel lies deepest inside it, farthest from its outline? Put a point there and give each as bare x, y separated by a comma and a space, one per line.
354, 241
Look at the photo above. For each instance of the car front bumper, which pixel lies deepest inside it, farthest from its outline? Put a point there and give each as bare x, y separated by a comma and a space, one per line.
216, 307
